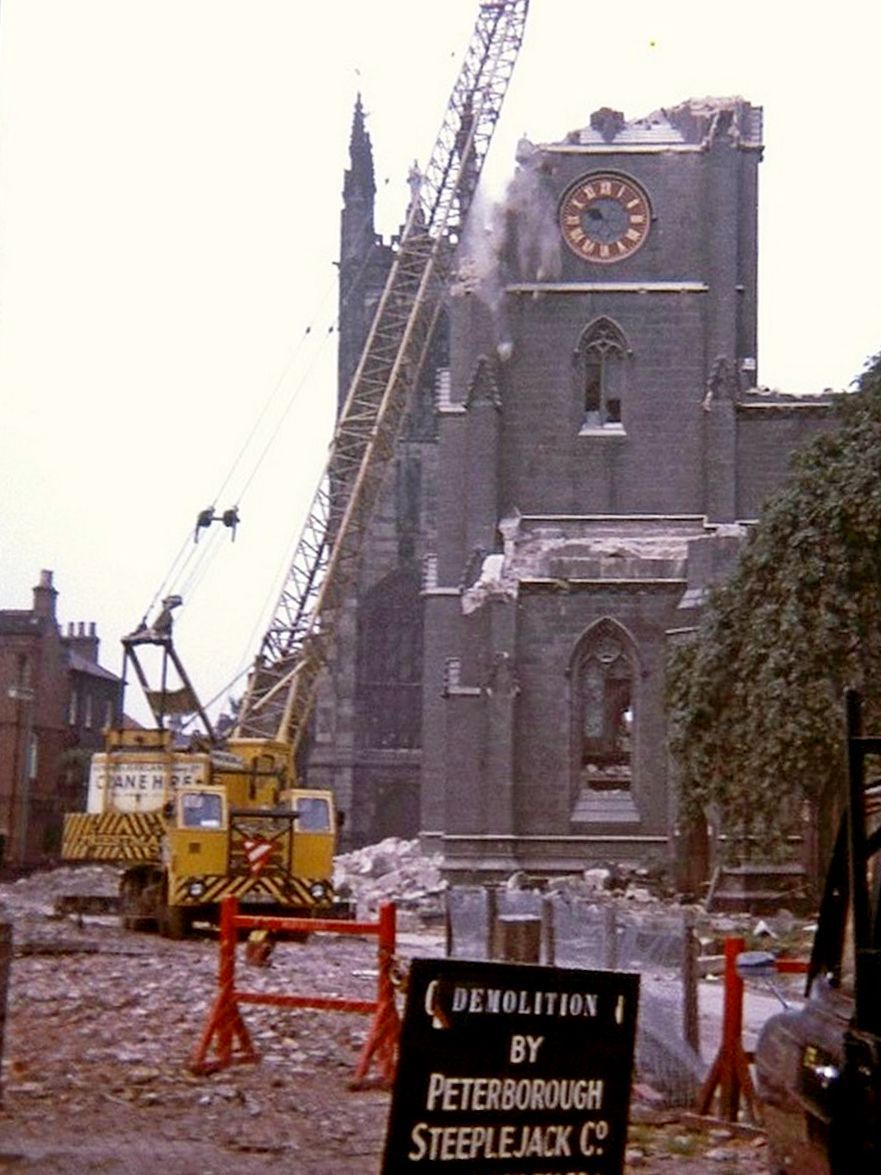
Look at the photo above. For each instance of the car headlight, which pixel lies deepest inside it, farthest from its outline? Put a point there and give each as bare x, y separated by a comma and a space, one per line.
318, 891
195, 889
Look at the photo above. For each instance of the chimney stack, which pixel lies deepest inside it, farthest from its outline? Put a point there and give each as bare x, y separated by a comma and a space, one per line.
45, 596
82, 639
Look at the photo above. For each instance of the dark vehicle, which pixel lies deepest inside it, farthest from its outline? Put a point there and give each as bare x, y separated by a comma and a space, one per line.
818, 1070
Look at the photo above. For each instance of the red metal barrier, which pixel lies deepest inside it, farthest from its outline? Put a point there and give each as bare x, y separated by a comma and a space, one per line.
226, 1029
729, 1074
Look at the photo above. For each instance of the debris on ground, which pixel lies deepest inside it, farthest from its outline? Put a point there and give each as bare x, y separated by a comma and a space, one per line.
102, 1022
394, 870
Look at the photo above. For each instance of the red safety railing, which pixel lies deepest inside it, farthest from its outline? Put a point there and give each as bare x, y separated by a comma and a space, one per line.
226, 1031
729, 1075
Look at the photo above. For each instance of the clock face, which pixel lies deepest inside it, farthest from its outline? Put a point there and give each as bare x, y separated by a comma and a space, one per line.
604, 217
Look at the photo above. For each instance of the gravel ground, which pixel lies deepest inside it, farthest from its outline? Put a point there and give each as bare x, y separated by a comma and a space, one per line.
102, 1023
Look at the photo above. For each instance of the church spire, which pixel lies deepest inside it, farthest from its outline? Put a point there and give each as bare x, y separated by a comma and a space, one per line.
359, 191
362, 264
359, 180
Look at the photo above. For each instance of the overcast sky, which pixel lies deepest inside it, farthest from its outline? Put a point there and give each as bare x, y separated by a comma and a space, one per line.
170, 177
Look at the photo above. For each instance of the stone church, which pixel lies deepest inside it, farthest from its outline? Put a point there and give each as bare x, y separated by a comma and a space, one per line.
581, 459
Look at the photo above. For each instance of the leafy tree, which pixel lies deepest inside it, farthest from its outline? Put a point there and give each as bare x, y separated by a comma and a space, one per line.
755, 700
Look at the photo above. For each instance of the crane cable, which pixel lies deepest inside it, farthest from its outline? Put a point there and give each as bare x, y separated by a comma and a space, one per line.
189, 587
189, 550
188, 553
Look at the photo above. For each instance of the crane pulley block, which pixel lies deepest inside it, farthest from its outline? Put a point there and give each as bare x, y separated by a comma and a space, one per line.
204, 519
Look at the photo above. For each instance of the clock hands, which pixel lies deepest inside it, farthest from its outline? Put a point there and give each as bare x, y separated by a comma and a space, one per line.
604, 217
605, 220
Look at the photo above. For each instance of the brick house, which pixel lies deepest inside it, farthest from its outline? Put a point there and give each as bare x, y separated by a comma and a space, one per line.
55, 700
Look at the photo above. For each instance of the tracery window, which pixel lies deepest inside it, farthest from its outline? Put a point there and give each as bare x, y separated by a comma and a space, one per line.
604, 698
600, 364
389, 675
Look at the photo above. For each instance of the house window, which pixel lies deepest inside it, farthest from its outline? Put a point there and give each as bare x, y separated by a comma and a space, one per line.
600, 367
604, 700
87, 722
72, 708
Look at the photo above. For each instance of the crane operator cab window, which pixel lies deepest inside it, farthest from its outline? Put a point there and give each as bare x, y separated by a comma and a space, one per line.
313, 814
201, 810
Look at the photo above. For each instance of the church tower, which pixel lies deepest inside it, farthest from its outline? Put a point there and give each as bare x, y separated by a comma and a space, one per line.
368, 721
601, 447
630, 283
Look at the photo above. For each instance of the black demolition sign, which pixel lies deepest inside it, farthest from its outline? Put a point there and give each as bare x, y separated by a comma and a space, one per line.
512, 1069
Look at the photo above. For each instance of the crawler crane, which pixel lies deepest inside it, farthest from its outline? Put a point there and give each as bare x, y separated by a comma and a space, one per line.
214, 822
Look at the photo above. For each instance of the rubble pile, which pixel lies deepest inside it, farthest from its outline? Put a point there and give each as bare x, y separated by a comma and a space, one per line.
37, 892
620, 883
400, 871
31, 903
394, 870
633, 883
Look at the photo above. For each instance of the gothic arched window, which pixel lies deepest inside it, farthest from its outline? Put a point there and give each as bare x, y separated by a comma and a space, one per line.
389, 673
600, 365
604, 707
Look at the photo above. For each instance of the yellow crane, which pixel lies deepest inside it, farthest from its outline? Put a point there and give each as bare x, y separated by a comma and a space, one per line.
192, 826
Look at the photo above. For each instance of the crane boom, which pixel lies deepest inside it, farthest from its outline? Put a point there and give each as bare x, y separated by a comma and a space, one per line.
282, 684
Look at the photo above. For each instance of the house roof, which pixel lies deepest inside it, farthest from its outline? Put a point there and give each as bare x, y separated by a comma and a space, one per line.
16, 622
80, 664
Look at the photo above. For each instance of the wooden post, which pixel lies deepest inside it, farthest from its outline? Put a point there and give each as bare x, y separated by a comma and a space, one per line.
225, 1024
549, 931
729, 1073
492, 910
381, 1046
5, 961
690, 981
226, 979
610, 933
519, 938
732, 1030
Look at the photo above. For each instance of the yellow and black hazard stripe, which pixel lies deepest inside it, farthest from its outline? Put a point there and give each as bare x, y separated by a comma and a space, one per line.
111, 836
286, 891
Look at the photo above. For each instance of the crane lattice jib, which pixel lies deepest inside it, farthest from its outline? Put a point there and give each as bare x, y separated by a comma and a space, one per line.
296, 646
